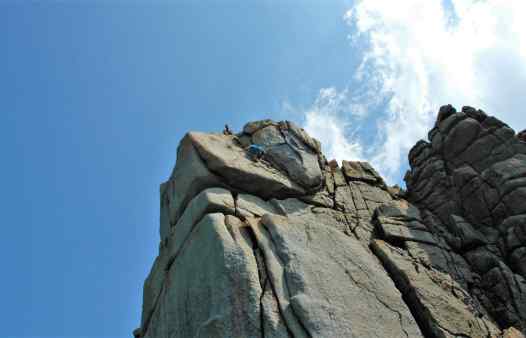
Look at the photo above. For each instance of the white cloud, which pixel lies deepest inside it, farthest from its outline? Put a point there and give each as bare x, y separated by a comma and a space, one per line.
420, 55
324, 121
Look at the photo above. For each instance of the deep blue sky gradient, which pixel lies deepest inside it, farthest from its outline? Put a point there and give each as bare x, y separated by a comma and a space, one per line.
94, 98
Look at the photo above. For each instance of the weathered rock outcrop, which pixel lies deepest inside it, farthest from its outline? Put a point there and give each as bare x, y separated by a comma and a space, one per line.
469, 182
290, 246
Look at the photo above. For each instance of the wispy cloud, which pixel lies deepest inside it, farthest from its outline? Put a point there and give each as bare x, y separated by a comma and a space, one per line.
418, 55
327, 121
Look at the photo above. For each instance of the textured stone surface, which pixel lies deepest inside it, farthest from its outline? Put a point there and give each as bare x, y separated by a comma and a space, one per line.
432, 296
292, 245
296, 153
225, 158
399, 222
470, 180
361, 171
208, 201
268, 136
251, 127
328, 273
188, 178
250, 206
301, 165
216, 270
320, 198
301, 134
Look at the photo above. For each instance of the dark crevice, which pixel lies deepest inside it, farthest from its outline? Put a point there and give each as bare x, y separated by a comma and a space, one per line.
506, 281
293, 311
185, 242
263, 286
486, 327
386, 305
421, 315
351, 229
263, 273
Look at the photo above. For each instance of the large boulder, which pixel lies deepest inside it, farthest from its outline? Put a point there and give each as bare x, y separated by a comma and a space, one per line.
223, 156
361, 171
189, 177
289, 148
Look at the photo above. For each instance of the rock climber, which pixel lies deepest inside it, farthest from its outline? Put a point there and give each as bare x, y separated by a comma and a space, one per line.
255, 151
227, 130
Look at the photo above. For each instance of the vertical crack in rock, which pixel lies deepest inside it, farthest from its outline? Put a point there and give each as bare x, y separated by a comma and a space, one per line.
262, 308
384, 304
276, 278
287, 288
408, 294
325, 298
266, 286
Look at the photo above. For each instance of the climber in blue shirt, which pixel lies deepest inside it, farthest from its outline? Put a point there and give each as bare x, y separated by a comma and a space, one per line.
255, 151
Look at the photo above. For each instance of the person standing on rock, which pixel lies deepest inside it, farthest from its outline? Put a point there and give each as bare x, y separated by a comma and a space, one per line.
227, 130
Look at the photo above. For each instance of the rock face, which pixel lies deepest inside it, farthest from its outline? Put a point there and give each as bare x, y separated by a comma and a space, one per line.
469, 182
294, 246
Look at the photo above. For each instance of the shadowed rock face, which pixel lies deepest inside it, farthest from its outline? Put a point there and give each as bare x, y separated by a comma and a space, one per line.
290, 246
469, 181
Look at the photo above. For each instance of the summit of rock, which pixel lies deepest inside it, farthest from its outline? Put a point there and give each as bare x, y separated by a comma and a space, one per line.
291, 245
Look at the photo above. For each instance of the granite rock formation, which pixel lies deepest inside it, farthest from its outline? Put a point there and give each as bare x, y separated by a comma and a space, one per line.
292, 245
469, 182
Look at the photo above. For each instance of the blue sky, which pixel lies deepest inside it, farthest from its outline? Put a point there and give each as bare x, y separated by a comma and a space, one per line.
95, 97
